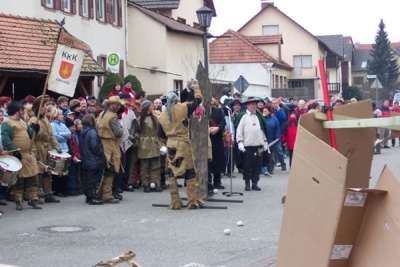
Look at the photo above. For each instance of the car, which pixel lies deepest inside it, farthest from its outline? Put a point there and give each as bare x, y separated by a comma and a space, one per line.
321, 102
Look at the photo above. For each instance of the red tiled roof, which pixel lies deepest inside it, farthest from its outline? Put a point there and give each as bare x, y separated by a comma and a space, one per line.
265, 39
170, 23
233, 47
369, 46
28, 44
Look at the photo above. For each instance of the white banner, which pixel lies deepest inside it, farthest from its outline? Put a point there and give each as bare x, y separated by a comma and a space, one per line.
66, 68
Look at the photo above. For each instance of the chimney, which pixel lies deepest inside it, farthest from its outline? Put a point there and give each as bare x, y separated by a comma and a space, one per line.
264, 3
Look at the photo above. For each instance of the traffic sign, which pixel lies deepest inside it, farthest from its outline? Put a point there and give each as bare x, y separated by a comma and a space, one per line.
376, 84
241, 84
113, 60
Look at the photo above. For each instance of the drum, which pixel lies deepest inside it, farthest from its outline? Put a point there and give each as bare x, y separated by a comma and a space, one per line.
58, 163
9, 167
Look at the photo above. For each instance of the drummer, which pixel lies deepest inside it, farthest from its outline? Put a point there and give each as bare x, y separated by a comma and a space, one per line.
43, 142
15, 133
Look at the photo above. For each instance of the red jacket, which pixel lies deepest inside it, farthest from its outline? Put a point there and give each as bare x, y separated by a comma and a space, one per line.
289, 133
75, 146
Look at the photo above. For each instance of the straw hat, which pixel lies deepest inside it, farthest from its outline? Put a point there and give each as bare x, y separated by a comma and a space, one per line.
112, 100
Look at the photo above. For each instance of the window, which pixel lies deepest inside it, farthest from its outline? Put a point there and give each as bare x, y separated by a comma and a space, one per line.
296, 83
67, 5
102, 60
100, 10
115, 8
49, 4
300, 62
270, 29
178, 86
364, 64
85, 8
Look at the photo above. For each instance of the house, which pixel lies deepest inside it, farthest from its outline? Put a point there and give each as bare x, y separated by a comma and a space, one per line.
338, 60
301, 50
235, 55
99, 23
182, 10
362, 54
28, 46
164, 54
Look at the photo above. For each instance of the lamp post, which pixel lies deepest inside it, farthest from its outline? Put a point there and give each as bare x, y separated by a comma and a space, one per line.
204, 15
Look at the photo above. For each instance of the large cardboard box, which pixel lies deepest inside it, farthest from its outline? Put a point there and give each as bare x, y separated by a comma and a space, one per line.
329, 210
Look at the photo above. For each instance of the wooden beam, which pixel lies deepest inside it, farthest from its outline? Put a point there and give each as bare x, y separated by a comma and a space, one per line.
3, 82
82, 87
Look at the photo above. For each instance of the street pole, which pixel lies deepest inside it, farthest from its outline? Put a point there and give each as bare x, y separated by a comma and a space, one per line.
205, 50
376, 97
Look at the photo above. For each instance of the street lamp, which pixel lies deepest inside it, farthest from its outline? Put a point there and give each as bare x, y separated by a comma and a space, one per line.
204, 15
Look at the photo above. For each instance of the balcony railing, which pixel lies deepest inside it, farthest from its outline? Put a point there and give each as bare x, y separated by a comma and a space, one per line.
301, 73
334, 88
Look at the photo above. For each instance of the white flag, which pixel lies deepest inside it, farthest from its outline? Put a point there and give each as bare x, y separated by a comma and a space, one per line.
66, 68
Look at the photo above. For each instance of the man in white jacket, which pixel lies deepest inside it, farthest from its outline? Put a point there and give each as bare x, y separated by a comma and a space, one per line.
252, 141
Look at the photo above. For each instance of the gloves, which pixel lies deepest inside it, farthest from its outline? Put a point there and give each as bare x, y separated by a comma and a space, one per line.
59, 151
35, 127
133, 139
17, 155
241, 147
163, 150
266, 146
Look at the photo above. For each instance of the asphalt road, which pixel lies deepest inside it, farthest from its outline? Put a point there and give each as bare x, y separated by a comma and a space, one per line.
83, 235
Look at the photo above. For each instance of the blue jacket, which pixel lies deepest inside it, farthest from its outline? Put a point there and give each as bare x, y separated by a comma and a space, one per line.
93, 155
61, 133
273, 128
280, 115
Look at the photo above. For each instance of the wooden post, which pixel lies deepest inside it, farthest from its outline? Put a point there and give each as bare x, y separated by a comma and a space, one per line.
199, 134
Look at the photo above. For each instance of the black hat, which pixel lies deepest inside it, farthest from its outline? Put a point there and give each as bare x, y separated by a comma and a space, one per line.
124, 96
90, 97
292, 111
69, 122
127, 81
251, 99
235, 102
14, 107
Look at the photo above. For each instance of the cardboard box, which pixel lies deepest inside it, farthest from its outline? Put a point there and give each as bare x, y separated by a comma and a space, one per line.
329, 210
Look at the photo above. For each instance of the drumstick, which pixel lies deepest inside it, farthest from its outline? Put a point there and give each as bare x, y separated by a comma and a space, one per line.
43, 164
12, 151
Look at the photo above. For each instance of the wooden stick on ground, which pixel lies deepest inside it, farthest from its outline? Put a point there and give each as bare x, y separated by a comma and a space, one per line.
126, 257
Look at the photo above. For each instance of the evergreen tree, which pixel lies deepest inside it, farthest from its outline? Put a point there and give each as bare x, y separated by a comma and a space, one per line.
383, 62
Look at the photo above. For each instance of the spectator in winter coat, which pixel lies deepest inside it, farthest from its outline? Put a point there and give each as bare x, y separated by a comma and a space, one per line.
385, 113
289, 132
127, 89
300, 109
93, 161
115, 91
274, 132
76, 156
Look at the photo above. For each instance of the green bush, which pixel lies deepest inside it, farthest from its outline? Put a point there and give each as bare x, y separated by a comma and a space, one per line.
350, 92
136, 85
109, 83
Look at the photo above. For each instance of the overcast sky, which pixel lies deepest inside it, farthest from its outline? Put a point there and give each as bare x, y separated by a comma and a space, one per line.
356, 18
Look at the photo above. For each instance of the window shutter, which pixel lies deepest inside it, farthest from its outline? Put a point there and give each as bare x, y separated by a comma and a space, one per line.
121, 68
108, 11
80, 8
91, 9
99, 78
97, 9
73, 8
43, 2
119, 13
62, 5
57, 4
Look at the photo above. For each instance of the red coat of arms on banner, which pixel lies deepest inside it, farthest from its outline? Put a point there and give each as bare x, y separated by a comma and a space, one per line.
65, 69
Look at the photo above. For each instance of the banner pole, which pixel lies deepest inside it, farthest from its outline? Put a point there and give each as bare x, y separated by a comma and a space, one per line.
44, 87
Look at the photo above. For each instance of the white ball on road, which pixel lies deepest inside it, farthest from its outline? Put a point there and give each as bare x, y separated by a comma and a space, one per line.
227, 231
152, 185
240, 223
